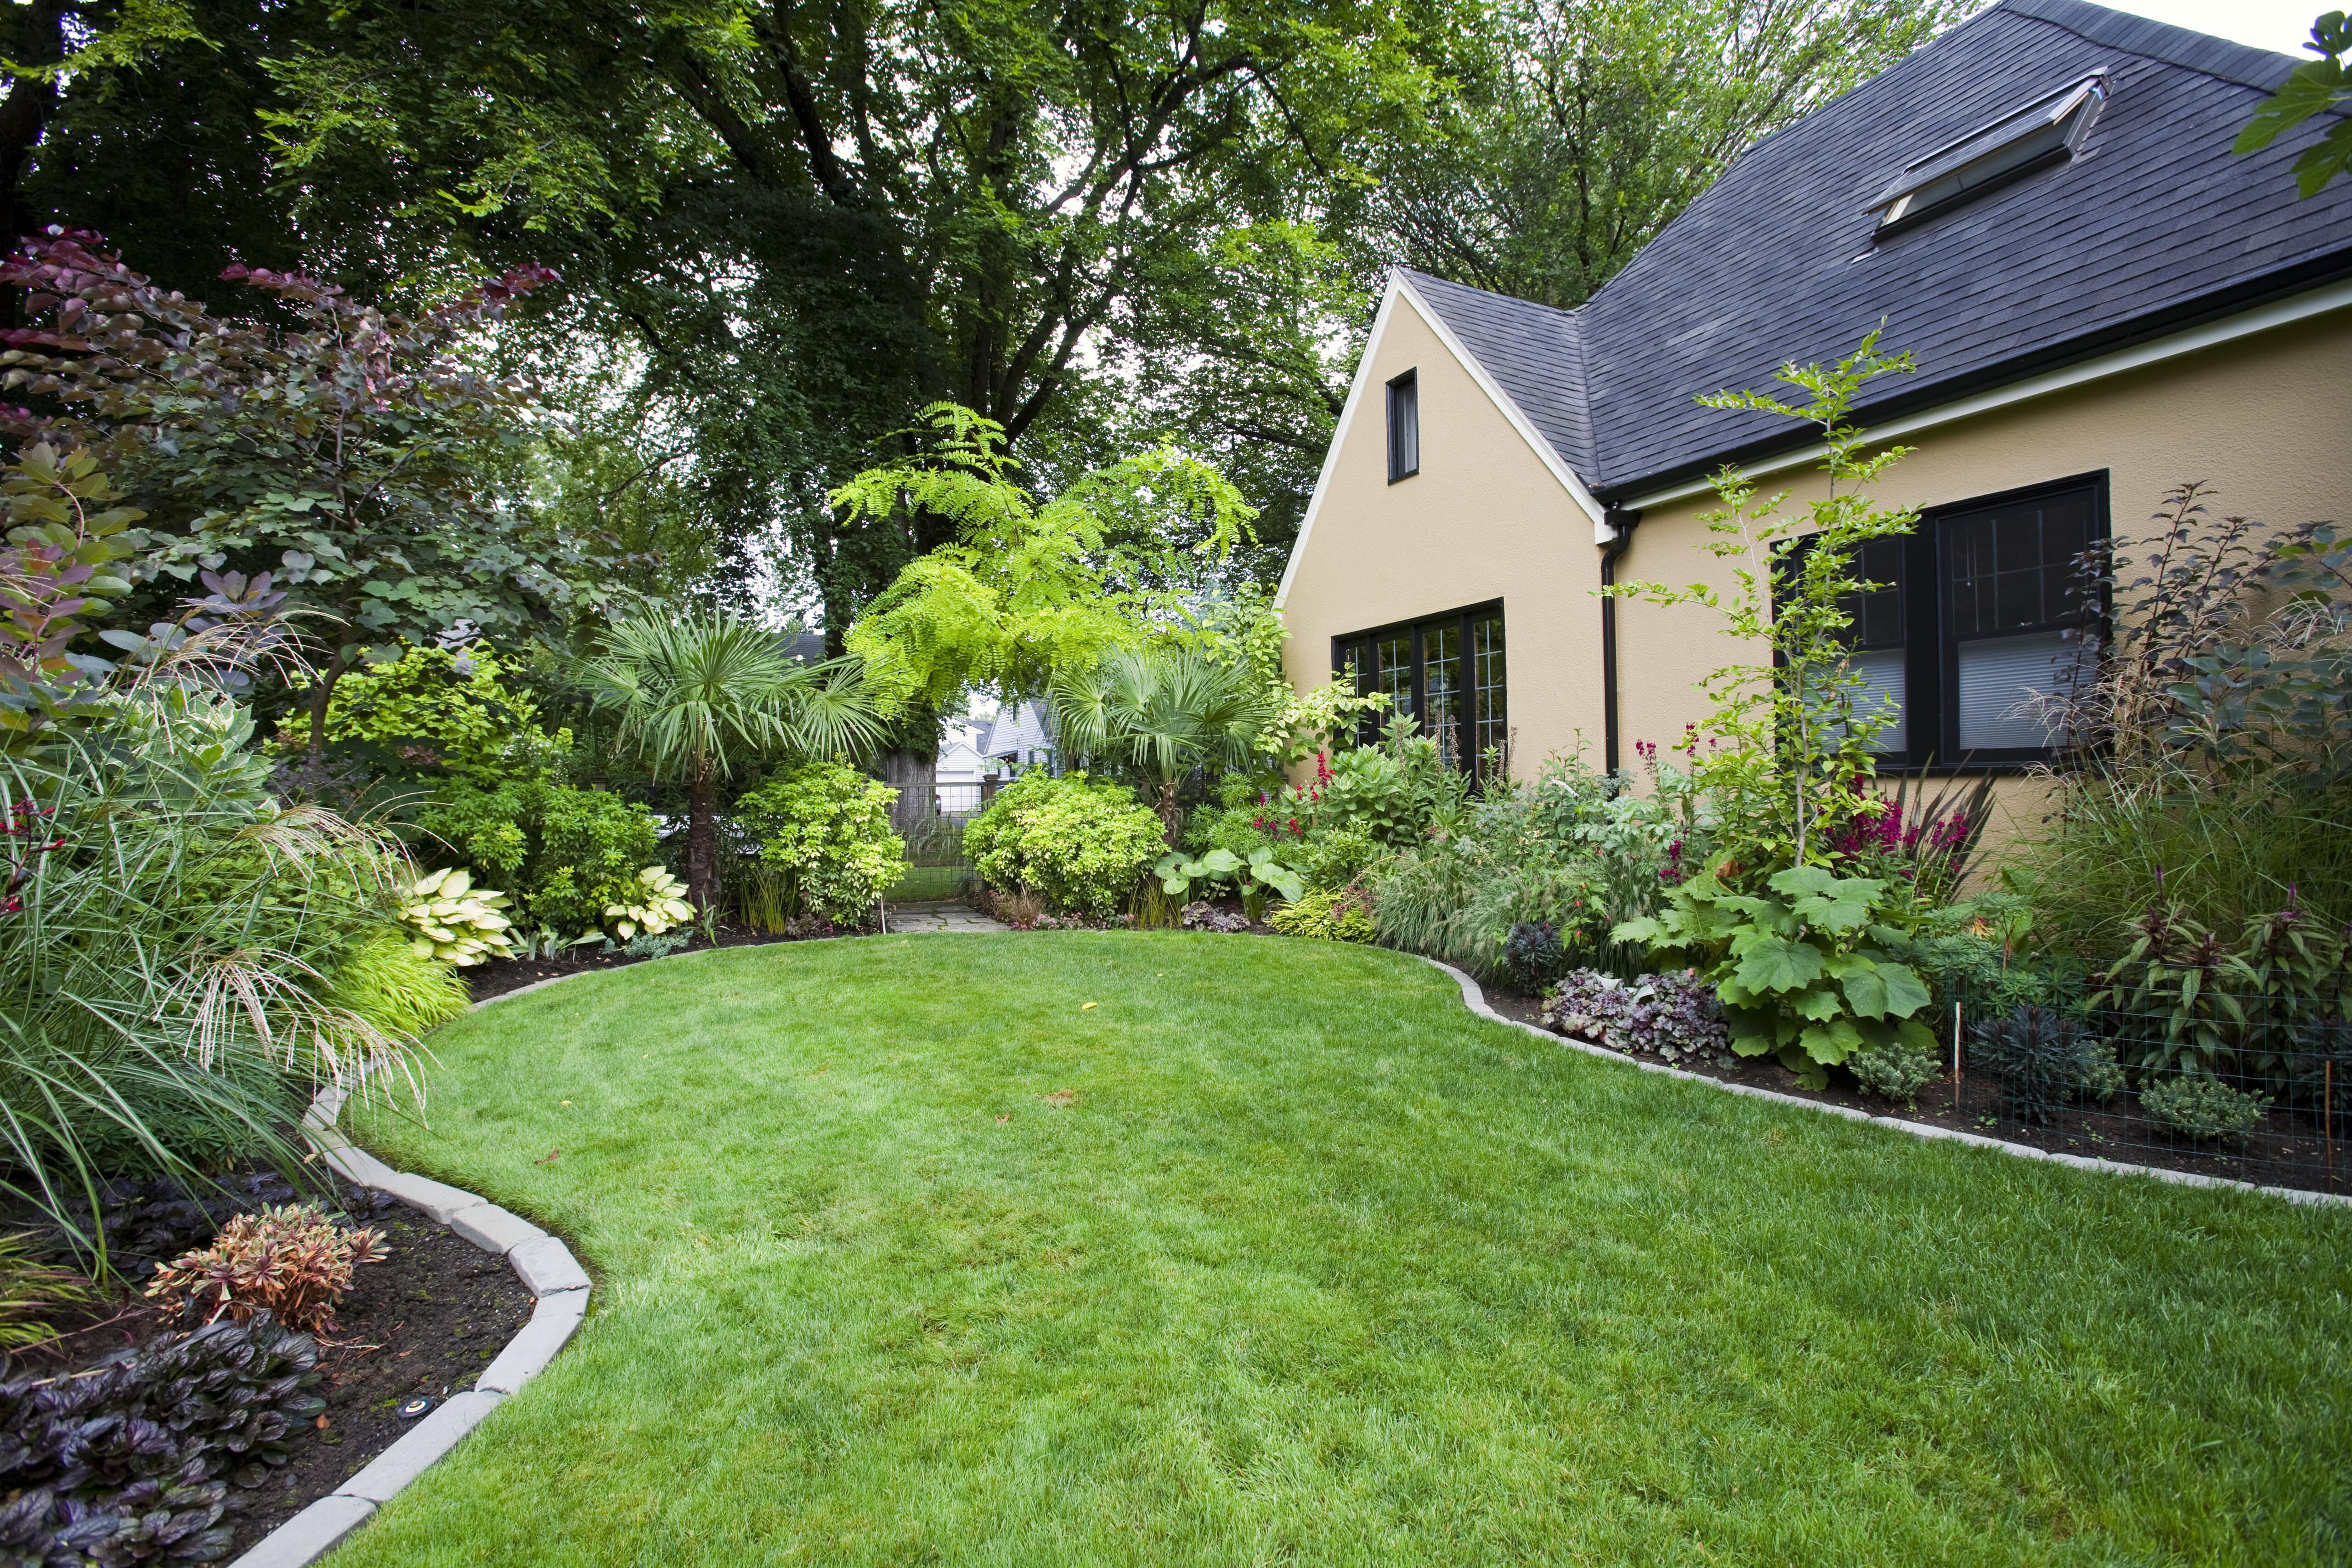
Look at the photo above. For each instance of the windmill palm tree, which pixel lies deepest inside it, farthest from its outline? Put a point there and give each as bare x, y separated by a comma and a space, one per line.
1160, 714
696, 696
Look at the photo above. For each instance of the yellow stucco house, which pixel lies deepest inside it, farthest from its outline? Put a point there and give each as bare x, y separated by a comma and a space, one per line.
2043, 209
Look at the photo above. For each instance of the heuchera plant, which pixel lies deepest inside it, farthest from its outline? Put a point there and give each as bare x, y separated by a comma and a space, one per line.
1803, 970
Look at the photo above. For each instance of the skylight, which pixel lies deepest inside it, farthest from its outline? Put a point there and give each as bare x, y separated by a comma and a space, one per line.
2044, 131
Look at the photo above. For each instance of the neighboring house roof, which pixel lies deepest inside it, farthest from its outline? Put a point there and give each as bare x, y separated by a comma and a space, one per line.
1019, 733
2154, 225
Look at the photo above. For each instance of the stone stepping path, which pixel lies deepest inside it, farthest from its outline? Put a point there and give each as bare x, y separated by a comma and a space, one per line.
926, 917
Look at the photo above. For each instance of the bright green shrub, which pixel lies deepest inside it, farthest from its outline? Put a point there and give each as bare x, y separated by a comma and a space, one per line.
1079, 844
825, 829
1336, 857
1330, 914
399, 990
434, 708
564, 855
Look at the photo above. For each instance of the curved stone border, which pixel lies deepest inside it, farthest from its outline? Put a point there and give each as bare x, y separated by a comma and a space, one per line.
1476, 1001
543, 1264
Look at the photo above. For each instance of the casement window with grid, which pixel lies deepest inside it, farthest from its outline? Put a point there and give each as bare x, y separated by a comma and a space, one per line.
1447, 672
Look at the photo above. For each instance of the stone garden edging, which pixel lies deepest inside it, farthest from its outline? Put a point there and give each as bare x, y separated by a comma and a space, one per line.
543, 1264
1476, 1001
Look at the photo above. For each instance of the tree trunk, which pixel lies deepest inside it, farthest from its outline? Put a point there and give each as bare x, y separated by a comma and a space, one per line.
915, 776
702, 842
1171, 816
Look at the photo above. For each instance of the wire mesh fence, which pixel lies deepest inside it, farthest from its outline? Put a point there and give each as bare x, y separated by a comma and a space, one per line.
2255, 1088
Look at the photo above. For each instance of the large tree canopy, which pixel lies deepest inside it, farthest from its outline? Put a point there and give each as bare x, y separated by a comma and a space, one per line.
1582, 127
785, 228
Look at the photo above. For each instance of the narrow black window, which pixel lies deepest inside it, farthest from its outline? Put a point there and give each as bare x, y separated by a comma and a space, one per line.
1404, 427
2009, 602
1878, 641
1446, 672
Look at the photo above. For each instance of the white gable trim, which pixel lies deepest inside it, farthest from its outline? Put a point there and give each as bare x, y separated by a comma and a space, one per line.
1398, 287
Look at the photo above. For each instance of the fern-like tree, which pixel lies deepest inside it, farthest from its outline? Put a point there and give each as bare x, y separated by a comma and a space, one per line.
696, 696
1160, 713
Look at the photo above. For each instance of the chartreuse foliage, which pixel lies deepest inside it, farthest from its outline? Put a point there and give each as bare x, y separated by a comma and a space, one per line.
565, 854
1804, 970
1027, 589
1277, 1254
825, 830
437, 708
1080, 844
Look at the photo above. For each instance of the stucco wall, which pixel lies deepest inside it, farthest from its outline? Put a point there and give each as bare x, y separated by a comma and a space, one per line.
2267, 420
1483, 520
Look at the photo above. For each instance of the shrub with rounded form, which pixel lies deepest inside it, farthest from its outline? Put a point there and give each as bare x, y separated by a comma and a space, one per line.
454, 922
398, 989
827, 827
1080, 844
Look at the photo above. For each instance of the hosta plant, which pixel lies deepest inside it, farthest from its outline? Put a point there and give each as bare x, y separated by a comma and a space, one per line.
131, 1460
656, 903
2203, 1108
289, 1261
455, 922
1803, 970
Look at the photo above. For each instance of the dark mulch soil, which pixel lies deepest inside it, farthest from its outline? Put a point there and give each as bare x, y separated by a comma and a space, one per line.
2286, 1150
500, 975
425, 1321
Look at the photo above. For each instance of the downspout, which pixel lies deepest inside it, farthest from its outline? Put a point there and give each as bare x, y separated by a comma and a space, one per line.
1621, 522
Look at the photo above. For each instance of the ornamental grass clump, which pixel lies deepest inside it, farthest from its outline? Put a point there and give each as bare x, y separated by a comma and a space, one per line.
401, 991
290, 1261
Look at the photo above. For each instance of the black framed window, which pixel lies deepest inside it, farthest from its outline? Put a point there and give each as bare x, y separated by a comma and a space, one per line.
1404, 427
1448, 671
1972, 618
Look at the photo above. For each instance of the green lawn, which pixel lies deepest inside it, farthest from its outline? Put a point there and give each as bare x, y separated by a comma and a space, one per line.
1279, 1254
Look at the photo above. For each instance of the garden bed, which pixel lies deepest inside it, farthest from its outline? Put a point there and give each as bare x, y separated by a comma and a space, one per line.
2285, 1150
497, 977
426, 1321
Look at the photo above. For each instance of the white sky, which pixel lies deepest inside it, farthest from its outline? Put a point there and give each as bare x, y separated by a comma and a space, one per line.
2282, 27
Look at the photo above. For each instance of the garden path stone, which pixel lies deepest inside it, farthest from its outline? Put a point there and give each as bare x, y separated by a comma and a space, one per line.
413, 1454
910, 918
309, 1536
493, 1230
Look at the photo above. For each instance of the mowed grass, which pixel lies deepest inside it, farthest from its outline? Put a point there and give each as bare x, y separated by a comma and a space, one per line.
1278, 1255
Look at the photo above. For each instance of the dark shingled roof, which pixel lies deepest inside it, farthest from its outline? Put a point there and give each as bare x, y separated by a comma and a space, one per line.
2153, 226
